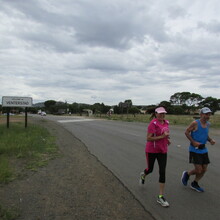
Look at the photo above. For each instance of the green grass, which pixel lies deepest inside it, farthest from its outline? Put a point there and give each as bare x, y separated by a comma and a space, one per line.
22, 149
9, 214
6, 172
32, 147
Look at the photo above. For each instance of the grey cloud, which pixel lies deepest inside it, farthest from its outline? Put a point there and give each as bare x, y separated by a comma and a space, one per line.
43, 28
106, 67
106, 64
189, 60
104, 24
116, 30
176, 12
59, 83
212, 27
122, 87
33, 10
107, 50
211, 85
50, 39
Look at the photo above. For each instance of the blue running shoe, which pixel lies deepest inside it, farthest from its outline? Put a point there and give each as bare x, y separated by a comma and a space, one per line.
185, 178
196, 187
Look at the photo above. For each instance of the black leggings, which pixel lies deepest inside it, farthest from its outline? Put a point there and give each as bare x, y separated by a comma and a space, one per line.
162, 162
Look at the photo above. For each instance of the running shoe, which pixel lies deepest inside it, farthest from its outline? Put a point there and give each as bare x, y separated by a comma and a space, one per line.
162, 201
142, 178
196, 187
185, 178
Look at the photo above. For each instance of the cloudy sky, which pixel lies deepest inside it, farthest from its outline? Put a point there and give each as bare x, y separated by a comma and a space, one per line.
90, 51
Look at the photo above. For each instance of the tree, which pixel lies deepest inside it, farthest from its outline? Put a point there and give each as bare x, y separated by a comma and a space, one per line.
117, 109
212, 103
176, 99
188, 101
50, 106
49, 103
127, 104
178, 110
167, 106
134, 110
184, 97
98, 108
74, 108
187, 98
193, 99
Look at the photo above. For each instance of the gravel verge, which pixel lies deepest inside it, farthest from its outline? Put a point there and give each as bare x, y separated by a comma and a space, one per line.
73, 186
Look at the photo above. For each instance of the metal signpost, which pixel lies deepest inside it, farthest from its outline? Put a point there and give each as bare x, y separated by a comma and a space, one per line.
14, 101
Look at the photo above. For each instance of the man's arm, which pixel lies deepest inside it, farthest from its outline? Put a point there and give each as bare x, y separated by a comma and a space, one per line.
212, 142
192, 127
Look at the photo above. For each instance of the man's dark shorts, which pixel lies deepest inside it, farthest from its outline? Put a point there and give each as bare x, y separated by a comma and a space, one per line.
199, 158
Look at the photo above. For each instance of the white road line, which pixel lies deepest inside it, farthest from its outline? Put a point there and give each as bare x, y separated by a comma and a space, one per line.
75, 120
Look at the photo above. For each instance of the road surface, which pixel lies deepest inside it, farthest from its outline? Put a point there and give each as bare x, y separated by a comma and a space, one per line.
120, 147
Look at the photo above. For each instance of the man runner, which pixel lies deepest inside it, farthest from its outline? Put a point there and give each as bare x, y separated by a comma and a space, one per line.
198, 135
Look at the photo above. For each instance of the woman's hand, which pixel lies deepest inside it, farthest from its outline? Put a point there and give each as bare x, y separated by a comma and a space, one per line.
151, 137
166, 134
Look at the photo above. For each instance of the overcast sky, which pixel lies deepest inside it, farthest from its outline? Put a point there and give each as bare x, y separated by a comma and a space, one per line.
90, 51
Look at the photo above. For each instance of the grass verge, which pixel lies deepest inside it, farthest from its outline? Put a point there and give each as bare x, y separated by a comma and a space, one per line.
21, 148
8, 214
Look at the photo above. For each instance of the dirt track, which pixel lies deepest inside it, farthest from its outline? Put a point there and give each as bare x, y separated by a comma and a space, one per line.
73, 186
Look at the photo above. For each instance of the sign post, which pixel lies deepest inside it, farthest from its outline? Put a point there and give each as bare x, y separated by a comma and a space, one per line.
25, 117
15, 101
8, 112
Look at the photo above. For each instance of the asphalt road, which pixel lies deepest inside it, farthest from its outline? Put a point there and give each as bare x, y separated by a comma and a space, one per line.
120, 147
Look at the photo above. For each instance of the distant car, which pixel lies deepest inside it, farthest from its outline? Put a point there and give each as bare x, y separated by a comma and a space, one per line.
43, 113
9, 113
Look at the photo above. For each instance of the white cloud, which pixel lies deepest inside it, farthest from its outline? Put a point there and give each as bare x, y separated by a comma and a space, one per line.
109, 51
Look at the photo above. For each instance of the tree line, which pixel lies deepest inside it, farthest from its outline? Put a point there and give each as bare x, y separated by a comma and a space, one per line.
179, 103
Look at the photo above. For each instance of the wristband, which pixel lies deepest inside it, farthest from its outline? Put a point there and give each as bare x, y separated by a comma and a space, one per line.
201, 146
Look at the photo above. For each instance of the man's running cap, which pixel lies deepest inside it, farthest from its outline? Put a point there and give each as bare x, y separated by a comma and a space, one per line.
205, 110
160, 110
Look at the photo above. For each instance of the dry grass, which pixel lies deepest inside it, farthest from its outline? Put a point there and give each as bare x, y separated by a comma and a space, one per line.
173, 119
12, 119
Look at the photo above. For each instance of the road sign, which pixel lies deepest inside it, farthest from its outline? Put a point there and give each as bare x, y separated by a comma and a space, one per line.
14, 101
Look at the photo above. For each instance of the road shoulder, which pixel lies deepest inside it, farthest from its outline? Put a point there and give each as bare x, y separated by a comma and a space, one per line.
73, 186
